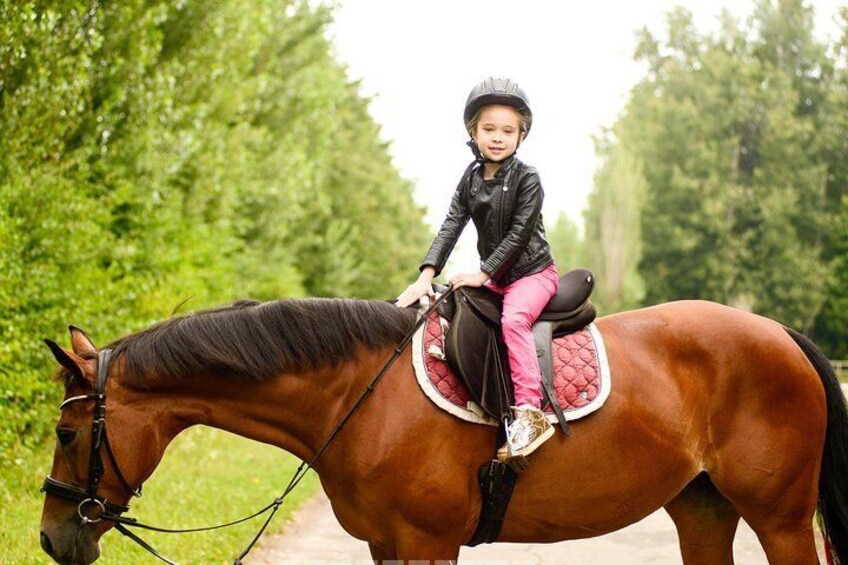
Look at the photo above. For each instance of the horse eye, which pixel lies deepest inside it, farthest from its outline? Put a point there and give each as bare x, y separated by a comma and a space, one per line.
66, 435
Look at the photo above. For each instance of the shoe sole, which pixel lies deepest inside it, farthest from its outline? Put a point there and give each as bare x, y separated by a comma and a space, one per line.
546, 435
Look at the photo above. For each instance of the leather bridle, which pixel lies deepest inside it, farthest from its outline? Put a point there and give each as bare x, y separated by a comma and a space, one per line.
111, 511
88, 498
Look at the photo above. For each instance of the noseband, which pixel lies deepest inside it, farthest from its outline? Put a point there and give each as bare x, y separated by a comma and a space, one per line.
87, 498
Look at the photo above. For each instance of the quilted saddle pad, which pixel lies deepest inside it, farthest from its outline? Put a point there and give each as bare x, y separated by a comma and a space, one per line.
581, 374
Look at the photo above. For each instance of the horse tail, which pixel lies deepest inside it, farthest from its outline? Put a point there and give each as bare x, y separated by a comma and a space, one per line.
833, 488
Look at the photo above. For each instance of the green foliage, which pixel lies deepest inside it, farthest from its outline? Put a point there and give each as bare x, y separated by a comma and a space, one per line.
831, 329
244, 474
154, 152
743, 167
566, 245
613, 229
832, 325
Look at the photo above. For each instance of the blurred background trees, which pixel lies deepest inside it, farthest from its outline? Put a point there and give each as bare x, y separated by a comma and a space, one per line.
157, 151
153, 152
725, 176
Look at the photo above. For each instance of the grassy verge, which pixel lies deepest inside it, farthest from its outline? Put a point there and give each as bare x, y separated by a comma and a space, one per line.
207, 477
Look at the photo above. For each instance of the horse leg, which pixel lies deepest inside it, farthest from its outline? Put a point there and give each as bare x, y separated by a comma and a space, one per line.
418, 550
774, 485
706, 523
777, 500
787, 542
424, 549
379, 555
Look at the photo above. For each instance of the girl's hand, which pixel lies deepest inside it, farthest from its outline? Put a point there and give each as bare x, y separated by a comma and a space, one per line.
469, 279
418, 289
413, 292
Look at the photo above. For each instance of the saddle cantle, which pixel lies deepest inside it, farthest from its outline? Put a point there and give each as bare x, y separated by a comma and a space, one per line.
474, 346
570, 306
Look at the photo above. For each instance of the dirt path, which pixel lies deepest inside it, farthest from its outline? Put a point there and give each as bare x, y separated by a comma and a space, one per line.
314, 537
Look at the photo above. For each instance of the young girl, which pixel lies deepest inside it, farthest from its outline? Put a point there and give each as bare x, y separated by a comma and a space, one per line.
503, 197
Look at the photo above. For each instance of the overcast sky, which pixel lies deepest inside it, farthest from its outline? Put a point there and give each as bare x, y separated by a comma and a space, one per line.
419, 60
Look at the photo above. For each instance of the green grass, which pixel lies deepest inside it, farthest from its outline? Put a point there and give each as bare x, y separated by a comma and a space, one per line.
207, 477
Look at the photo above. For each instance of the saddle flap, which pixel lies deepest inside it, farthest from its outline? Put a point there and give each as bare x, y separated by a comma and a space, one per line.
486, 303
474, 352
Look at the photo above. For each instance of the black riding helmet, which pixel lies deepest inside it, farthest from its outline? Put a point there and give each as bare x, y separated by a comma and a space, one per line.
498, 91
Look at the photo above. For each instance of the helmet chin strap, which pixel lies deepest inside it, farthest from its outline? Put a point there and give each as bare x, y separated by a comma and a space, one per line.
478, 156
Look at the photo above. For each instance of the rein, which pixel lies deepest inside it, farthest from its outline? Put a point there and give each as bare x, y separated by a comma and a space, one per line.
106, 510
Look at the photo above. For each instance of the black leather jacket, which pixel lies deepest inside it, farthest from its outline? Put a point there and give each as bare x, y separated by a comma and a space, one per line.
507, 212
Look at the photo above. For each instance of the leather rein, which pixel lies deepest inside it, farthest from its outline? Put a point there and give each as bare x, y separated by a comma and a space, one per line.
92, 508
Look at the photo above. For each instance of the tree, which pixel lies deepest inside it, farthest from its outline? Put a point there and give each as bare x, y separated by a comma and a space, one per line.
735, 206
613, 228
156, 151
831, 329
566, 245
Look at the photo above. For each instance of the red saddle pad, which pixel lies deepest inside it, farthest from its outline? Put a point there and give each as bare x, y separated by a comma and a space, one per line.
581, 373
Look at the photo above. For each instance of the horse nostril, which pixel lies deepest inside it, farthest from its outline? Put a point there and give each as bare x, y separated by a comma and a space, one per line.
46, 545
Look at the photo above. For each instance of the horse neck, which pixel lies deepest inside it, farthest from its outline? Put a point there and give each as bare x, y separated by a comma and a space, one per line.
296, 412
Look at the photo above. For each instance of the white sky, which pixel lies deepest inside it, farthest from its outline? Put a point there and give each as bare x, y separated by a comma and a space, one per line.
418, 61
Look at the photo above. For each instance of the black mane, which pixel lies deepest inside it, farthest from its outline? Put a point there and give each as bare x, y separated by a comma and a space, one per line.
257, 341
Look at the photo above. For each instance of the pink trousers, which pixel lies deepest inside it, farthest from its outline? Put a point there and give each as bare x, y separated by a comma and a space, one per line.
523, 301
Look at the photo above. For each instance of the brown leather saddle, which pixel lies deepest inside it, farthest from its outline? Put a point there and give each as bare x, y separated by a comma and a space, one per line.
474, 346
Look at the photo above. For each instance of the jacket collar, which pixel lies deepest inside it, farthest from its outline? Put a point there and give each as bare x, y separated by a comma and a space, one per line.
505, 167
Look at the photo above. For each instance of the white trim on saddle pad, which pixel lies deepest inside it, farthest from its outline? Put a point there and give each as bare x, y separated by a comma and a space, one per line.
606, 380
473, 413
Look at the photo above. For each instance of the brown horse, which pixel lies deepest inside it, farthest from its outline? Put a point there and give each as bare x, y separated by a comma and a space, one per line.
715, 414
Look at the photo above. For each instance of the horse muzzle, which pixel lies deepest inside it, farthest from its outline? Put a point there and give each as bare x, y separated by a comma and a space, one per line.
71, 544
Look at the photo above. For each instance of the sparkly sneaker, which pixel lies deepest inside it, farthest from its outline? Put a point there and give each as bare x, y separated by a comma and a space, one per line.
526, 433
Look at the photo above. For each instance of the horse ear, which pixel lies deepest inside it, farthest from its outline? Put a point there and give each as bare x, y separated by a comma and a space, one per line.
66, 359
80, 342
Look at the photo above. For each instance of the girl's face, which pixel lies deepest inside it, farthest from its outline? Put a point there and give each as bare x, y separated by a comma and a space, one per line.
498, 132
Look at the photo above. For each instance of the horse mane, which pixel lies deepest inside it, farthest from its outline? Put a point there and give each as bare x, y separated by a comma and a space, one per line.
258, 341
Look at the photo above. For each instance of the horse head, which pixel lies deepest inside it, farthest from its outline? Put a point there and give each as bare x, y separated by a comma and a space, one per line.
278, 373
90, 479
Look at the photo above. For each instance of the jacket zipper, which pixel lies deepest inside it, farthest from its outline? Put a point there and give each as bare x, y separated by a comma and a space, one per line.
504, 190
